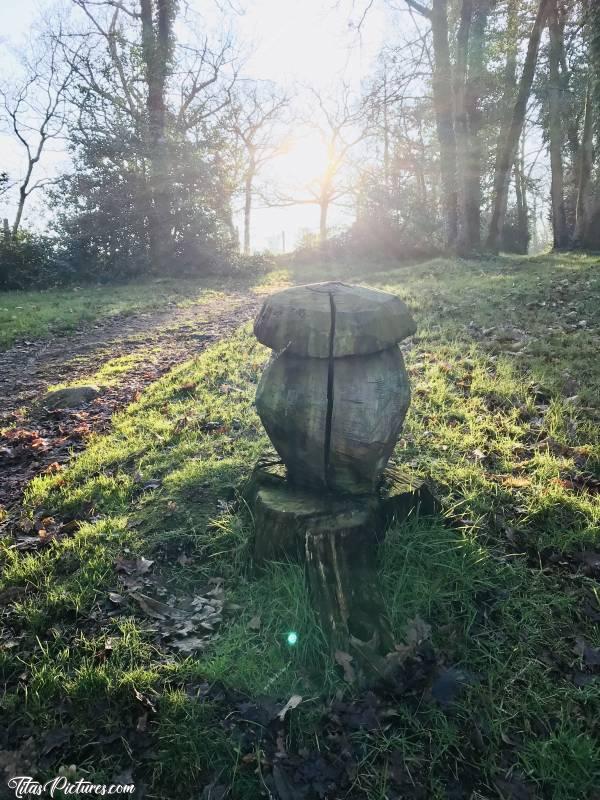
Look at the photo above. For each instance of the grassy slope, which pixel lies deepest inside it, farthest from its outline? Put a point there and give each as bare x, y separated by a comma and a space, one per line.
39, 314
474, 423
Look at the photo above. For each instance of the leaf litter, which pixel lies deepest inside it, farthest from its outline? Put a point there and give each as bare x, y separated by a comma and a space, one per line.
183, 623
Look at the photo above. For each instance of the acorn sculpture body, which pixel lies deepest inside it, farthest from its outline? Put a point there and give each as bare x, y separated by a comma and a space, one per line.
333, 400
334, 396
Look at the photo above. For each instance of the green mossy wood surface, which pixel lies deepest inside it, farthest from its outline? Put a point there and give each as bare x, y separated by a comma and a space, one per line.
341, 568
370, 396
336, 537
283, 514
334, 397
299, 320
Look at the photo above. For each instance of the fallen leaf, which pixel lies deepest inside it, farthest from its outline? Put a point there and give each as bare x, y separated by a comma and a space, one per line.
514, 788
188, 645
449, 684
154, 608
215, 791
56, 738
417, 630
345, 662
589, 655
255, 623
144, 700
292, 703
142, 723
133, 566
516, 481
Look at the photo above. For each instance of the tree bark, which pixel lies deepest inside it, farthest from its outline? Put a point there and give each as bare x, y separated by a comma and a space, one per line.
590, 223
156, 50
472, 176
559, 217
444, 115
461, 118
248, 208
323, 209
507, 149
19, 214
586, 162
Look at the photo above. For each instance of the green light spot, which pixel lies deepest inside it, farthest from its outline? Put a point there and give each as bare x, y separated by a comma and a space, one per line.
292, 638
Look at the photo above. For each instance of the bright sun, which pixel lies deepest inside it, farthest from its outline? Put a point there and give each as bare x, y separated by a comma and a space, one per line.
304, 161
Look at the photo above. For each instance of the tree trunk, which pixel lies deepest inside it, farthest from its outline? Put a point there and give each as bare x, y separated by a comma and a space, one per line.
472, 176
23, 193
323, 209
586, 162
443, 105
460, 117
507, 147
522, 240
156, 49
559, 217
19, 215
248, 209
590, 196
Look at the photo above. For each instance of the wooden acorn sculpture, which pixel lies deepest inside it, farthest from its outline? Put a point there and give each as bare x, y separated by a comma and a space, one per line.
334, 396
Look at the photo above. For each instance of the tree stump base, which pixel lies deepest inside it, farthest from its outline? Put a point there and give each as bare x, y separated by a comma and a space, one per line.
336, 538
283, 513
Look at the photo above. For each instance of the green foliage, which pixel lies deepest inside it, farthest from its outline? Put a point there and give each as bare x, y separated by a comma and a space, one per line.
103, 207
29, 260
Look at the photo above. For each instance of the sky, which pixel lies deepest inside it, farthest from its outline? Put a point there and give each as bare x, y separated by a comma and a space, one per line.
293, 42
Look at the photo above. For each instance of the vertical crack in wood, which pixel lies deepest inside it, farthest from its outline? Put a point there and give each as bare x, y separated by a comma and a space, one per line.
329, 416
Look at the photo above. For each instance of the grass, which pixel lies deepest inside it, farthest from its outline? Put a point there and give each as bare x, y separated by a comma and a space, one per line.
44, 313
501, 433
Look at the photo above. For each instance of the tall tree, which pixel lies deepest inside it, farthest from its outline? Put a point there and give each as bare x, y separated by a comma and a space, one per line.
256, 119
588, 201
161, 141
37, 111
584, 177
555, 125
339, 120
157, 17
472, 176
443, 102
508, 145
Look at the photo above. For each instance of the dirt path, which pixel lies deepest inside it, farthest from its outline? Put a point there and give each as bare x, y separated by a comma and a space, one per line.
36, 441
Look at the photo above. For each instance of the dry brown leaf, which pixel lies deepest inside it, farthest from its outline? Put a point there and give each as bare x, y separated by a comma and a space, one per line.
516, 481
154, 608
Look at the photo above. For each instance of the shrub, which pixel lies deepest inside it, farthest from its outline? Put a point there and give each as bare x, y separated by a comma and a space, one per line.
29, 259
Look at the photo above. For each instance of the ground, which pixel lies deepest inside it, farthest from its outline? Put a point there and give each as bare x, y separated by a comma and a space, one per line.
138, 642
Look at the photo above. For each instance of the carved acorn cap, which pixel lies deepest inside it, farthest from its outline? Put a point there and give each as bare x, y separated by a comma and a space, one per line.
301, 320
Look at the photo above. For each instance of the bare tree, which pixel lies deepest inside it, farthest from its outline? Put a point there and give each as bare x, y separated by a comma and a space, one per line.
586, 163
443, 102
36, 111
255, 119
341, 124
508, 144
132, 68
555, 106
